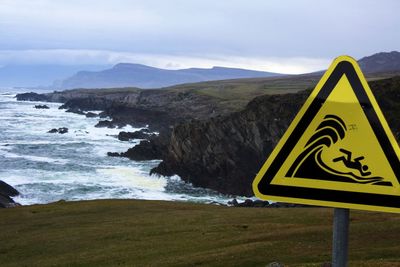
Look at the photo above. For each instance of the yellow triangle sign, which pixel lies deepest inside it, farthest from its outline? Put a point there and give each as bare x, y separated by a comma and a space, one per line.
338, 151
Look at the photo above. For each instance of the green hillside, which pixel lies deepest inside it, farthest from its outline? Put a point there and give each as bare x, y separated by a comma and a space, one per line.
155, 233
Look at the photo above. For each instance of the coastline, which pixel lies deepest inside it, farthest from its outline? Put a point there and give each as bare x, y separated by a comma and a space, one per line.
218, 148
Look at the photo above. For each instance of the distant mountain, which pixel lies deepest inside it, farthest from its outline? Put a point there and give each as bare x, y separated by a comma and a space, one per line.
381, 62
39, 75
136, 75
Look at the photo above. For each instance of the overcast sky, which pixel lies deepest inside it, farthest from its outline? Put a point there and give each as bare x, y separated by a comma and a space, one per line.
280, 36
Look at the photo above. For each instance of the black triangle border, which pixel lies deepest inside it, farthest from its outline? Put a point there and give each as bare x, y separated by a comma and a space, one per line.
266, 188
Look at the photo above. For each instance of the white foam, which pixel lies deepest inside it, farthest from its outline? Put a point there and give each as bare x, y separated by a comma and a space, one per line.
133, 178
68, 175
34, 158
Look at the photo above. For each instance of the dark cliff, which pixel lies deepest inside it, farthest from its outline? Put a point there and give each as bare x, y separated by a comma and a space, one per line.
161, 109
225, 153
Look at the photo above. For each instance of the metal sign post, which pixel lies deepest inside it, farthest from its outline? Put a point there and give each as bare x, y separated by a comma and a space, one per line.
340, 242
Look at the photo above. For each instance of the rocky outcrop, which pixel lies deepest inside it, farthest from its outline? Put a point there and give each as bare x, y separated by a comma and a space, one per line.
88, 103
154, 148
6, 192
225, 153
91, 115
41, 107
61, 130
141, 134
31, 97
161, 109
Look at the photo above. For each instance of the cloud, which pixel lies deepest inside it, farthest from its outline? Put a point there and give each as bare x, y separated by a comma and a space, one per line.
292, 65
255, 28
283, 36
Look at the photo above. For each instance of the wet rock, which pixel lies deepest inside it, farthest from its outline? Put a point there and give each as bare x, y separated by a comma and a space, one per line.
41, 107
246, 203
141, 134
233, 202
145, 150
31, 97
6, 192
154, 148
61, 130
114, 154
91, 115
76, 111
105, 124
251, 204
260, 203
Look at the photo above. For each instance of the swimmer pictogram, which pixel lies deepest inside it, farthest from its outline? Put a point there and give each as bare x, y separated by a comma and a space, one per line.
310, 163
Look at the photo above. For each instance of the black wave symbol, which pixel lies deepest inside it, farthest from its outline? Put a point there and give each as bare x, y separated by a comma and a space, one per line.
309, 163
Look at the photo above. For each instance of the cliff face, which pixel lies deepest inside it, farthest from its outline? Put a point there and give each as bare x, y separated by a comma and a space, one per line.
161, 109
225, 153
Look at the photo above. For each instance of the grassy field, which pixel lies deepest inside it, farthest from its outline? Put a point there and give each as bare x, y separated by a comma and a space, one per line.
154, 233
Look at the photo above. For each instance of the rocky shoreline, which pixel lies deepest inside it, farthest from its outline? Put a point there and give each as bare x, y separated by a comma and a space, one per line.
200, 140
6, 194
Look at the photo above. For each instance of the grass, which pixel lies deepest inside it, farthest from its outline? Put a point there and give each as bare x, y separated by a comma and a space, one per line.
156, 233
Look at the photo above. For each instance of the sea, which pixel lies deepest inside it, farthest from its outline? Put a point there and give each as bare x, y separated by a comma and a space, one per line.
48, 167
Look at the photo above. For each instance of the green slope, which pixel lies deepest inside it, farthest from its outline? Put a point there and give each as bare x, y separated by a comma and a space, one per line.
155, 233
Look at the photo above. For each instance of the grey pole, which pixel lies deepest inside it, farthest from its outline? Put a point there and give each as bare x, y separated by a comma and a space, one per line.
340, 237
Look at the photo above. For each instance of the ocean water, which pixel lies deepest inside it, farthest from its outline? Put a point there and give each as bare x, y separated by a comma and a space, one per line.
46, 167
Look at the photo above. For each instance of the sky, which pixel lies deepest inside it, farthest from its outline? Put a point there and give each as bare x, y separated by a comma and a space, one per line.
278, 36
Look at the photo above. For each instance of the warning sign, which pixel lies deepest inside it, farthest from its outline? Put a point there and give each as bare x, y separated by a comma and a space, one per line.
338, 151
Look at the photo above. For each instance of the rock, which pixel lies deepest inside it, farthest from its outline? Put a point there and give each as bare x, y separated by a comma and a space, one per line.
233, 202
31, 97
91, 115
105, 124
141, 134
41, 107
75, 110
225, 153
54, 130
6, 192
246, 203
114, 154
61, 130
84, 102
155, 148
145, 150
260, 203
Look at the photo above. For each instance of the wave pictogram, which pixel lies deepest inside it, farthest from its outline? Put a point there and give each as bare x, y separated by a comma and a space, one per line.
310, 164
